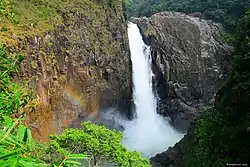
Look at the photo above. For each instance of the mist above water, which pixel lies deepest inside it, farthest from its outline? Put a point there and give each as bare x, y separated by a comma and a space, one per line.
149, 133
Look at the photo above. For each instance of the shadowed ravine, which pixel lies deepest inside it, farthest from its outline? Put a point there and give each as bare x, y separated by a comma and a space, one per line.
149, 133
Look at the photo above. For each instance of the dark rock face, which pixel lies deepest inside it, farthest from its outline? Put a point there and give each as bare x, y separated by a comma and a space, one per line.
170, 158
189, 60
173, 157
80, 67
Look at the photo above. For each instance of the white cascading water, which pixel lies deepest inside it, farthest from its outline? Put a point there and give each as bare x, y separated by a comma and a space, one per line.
149, 133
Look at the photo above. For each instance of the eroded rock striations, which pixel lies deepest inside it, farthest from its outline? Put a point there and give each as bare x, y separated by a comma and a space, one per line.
189, 60
81, 66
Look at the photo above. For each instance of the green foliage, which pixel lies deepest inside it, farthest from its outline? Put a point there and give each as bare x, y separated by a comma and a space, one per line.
6, 10
226, 12
229, 39
102, 145
208, 138
36, 17
221, 135
17, 148
12, 96
36, 11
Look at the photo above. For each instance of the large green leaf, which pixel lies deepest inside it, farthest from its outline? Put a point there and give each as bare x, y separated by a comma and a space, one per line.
21, 132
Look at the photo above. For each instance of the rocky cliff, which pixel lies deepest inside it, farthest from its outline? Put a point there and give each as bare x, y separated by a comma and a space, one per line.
220, 135
190, 63
79, 66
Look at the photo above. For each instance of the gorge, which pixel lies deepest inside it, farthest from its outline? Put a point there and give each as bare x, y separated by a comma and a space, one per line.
83, 84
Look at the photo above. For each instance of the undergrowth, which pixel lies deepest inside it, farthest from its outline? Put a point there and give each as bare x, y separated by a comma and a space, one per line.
12, 96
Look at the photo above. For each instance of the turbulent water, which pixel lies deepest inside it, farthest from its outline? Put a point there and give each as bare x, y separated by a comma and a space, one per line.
149, 133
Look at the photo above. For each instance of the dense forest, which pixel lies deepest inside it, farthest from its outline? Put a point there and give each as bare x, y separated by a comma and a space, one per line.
226, 12
221, 135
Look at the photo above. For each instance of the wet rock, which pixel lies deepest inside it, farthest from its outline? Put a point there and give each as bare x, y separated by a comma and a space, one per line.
170, 158
189, 60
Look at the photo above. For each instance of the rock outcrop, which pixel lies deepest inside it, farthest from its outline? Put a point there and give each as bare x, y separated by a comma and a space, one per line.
173, 157
80, 67
189, 60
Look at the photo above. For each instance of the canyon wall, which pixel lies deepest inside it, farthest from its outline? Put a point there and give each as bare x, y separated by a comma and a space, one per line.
79, 67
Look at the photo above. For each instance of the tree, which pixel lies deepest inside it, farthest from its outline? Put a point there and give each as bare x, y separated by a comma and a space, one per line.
101, 144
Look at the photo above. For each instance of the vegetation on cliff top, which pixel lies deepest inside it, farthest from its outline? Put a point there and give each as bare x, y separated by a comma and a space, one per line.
23, 19
28, 18
221, 135
226, 12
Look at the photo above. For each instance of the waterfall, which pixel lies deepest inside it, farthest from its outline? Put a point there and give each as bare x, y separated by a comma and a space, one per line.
149, 133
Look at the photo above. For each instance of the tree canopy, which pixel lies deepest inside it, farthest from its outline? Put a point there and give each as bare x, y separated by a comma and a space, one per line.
226, 12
